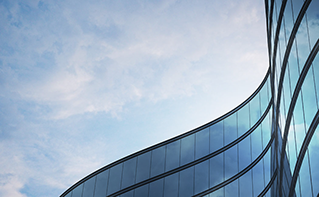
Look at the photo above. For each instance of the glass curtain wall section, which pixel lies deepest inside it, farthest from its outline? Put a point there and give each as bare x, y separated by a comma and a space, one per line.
267, 146
294, 48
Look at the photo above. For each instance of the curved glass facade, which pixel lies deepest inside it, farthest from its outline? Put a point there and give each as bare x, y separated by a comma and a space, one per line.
267, 146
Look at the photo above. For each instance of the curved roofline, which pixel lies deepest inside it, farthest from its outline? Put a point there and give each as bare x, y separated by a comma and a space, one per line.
171, 139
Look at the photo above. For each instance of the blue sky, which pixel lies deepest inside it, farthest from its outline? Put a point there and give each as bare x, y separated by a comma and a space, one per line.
84, 83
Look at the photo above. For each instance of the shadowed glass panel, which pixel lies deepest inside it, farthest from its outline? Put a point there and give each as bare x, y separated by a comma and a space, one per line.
187, 149
172, 155
171, 186
156, 188
129, 171
77, 192
143, 167
115, 179
202, 143
201, 176
186, 183
158, 161
216, 136
101, 184
88, 188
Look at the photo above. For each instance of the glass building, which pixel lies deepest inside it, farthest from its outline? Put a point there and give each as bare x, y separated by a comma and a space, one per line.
267, 146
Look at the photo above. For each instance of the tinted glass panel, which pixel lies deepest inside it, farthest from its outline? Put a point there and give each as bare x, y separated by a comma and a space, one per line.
216, 136
156, 188
142, 191
232, 189
187, 149
129, 173
243, 120
128, 194
101, 184
201, 176
143, 167
158, 159
115, 179
77, 192
202, 143
216, 170
186, 182
89, 187
69, 194
246, 185
231, 162
171, 186
230, 128
172, 155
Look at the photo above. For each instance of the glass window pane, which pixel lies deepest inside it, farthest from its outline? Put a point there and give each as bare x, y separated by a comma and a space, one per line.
115, 179
69, 194
216, 136
258, 178
232, 189
230, 128
172, 155
256, 142
186, 182
244, 153
187, 149
171, 186
158, 159
245, 183
143, 167
255, 112
77, 192
129, 173
156, 188
89, 187
243, 120
101, 184
202, 143
231, 167
201, 176
142, 191
128, 194
216, 170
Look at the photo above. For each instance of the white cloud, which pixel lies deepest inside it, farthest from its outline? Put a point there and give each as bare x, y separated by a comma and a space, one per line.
66, 60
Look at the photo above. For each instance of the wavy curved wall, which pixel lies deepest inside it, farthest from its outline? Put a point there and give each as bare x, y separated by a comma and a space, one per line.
267, 146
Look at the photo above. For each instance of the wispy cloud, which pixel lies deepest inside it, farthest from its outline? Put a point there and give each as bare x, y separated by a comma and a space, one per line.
66, 65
